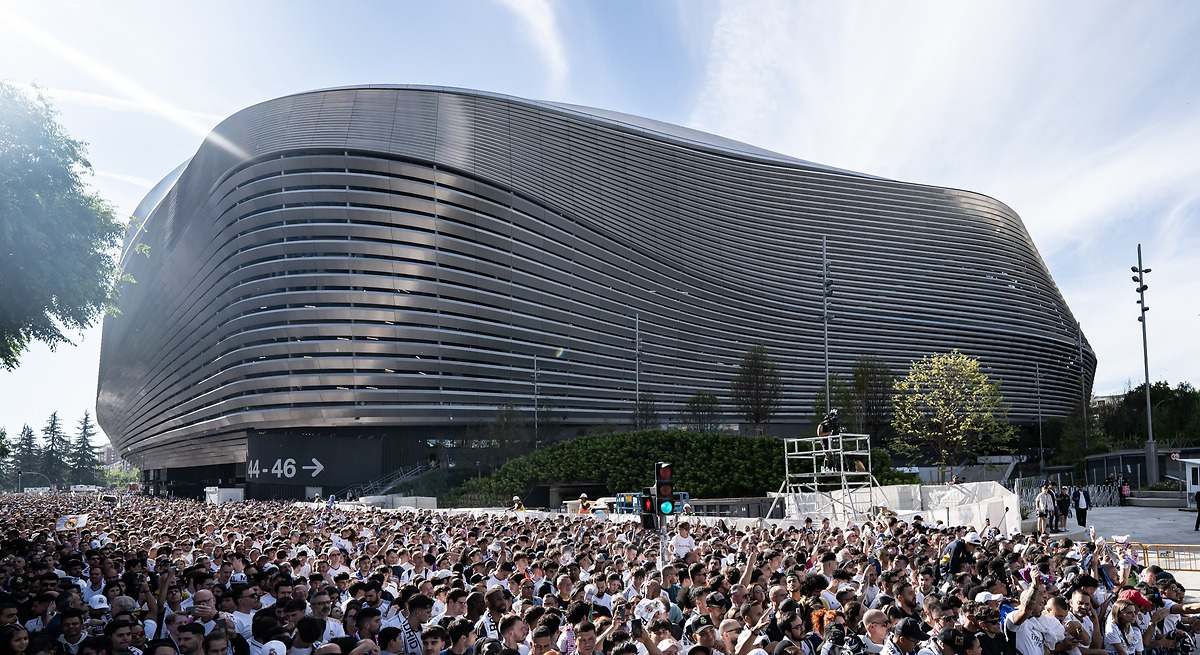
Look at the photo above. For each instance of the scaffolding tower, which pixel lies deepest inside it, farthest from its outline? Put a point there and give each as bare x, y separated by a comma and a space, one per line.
829, 477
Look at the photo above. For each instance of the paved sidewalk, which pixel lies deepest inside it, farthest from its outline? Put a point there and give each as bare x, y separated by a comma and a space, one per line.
1150, 525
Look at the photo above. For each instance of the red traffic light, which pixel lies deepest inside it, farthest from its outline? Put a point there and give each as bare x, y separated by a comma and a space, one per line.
662, 472
647, 504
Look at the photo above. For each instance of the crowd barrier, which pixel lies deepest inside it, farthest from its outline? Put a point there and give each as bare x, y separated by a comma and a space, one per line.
1171, 557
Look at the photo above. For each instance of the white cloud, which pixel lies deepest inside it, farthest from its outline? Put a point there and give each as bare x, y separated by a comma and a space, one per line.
132, 180
108, 102
129, 91
542, 26
1079, 116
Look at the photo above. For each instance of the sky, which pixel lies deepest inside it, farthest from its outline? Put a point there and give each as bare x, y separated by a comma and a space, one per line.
1084, 117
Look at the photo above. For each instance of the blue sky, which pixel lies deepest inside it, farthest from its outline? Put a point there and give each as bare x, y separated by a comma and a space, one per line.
1082, 116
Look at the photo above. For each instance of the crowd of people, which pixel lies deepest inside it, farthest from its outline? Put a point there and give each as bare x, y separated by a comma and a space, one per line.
150, 576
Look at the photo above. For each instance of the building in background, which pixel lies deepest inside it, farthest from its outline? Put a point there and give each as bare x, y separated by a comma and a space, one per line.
348, 282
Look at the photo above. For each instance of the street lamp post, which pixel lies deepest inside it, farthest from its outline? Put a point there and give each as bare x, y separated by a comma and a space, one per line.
1083, 394
21, 484
826, 292
1037, 383
536, 405
1151, 445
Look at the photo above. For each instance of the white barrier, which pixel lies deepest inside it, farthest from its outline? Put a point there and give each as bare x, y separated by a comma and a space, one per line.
973, 504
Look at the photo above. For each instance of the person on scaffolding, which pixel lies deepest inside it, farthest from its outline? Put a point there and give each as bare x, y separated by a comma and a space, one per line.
826, 429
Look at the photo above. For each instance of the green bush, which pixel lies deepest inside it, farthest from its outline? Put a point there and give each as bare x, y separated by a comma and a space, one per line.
706, 465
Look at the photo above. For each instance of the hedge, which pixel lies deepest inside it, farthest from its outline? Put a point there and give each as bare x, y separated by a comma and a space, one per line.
705, 465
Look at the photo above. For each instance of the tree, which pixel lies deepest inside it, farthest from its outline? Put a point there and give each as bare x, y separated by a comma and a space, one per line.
843, 401
82, 459
26, 455
57, 237
6, 464
702, 412
1176, 416
947, 407
863, 399
871, 383
645, 412
55, 452
756, 388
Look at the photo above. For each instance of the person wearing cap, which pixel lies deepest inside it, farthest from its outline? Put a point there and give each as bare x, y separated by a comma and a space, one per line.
989, 632
905, 638
949, 640
959, 551
585, 505
702, 631
517, 505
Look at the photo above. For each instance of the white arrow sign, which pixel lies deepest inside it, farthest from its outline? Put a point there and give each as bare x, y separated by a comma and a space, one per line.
316, 467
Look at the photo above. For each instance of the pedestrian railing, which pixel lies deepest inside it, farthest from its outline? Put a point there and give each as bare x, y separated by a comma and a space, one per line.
1101, 495
1171, 557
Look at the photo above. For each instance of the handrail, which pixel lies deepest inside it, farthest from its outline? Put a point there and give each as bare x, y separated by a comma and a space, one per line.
1171, 557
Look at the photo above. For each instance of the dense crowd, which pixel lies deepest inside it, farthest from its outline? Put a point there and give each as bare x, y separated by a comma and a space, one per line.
146, 576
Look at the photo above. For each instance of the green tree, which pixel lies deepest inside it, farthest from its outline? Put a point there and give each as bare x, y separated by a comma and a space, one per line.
1176, 416
26, 455
645, 412
702, 412
82, 459
55, 452
871, 383
6, 461
843, 401
57, 238
756, 388
947, 407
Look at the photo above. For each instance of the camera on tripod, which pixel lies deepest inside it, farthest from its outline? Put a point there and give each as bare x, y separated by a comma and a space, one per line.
830, 425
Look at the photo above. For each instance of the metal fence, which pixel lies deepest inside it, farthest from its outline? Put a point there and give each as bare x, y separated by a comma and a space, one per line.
1171, 557
1027, 489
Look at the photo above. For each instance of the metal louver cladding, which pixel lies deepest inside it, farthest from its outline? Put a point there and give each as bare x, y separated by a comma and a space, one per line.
408, 256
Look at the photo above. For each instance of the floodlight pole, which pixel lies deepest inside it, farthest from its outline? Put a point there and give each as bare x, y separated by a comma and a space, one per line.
826, 291
1151, 445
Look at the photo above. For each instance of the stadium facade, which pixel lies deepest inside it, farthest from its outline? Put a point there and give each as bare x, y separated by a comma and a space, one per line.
358, 276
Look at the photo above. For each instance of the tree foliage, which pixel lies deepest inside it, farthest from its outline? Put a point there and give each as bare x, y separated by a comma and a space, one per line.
27, 456
1176, 416
82, 459
863, 399
57, 239
55, 452
756, 388
945, 408
702, 413
706, 465
645, 412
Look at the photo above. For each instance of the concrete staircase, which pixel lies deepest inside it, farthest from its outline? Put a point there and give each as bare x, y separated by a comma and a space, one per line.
1168, 499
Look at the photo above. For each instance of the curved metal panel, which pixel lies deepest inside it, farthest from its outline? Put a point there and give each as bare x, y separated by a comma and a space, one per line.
400, 255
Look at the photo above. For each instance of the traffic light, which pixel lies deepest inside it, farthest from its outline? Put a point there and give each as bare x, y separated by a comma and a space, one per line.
649, 518
664, 489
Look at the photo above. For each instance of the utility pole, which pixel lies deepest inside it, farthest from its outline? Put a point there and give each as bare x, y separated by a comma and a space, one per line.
1083, 394
1151, 445
637, 368
826, 292
1037, 382
536, 405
